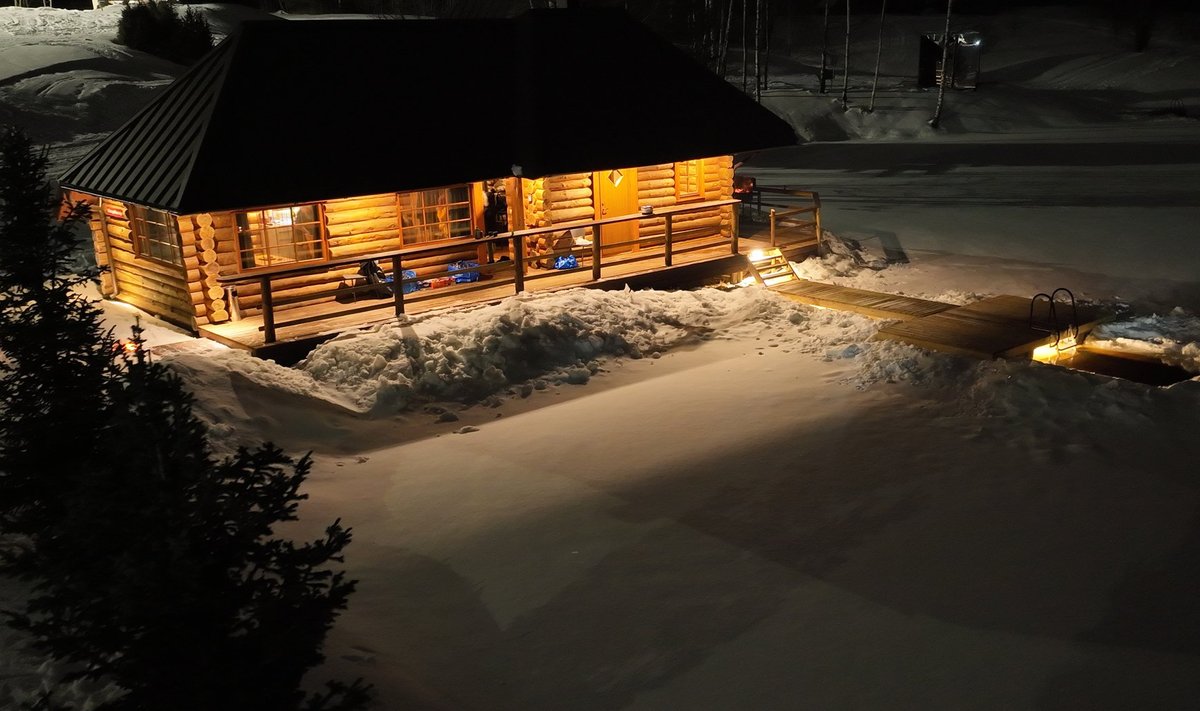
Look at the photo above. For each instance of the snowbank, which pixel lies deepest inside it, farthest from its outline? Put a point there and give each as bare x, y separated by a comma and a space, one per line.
557, 338
1173, 338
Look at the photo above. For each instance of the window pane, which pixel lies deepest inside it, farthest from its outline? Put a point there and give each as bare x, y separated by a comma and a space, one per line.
429, 215
155, 235
280, 236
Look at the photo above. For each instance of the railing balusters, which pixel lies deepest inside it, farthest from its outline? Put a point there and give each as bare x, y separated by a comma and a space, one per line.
268, 310
398, 285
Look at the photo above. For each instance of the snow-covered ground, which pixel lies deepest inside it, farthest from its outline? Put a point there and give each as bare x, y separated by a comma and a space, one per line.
719, 499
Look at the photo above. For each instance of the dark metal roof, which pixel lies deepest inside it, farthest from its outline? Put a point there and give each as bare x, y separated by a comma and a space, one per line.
286, 112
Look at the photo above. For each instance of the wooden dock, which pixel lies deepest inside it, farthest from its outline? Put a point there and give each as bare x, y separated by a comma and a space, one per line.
993, 328
998, 327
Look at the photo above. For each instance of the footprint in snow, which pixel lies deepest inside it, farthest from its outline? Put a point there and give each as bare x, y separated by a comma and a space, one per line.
465, 429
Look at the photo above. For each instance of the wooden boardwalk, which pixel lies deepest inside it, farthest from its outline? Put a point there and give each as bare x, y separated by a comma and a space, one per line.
868, 303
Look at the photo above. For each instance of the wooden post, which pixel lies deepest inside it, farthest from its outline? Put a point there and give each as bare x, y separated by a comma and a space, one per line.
268, 310
734, 240
398, 285
518, 255
596, 253
817, 219
772, 227
667, 242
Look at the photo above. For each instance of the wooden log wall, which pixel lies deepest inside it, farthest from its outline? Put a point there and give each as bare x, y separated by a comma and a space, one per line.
568, 197
157, 288
353, 227
99, 241
656, 186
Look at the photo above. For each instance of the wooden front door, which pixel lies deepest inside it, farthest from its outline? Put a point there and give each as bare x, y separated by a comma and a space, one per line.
616, 194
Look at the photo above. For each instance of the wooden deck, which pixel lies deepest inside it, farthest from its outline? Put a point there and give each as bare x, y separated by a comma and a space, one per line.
993, 328
299, 329
868, 303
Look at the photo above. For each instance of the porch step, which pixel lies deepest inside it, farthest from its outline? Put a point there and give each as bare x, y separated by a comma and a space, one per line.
770, 268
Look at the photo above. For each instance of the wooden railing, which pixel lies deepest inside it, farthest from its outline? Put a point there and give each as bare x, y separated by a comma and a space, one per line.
591, 257
781, 216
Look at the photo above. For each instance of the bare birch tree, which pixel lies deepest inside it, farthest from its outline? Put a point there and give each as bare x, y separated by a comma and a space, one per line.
878, 56
946, 76
824, 49
846, 60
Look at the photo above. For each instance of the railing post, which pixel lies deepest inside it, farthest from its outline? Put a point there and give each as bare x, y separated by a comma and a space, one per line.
518, 257
667, 242
817, 218
398, 285
596, 252
734, 241
772, 227
268, 310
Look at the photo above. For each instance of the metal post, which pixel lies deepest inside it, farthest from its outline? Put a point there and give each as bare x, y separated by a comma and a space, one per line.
518, 255
596, 252
398, 285
667, 242
268, 309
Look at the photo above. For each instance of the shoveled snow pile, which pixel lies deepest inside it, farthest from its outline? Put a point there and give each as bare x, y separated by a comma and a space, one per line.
1173, 338
558, 338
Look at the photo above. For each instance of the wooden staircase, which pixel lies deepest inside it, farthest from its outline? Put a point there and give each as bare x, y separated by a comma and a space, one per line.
770, 268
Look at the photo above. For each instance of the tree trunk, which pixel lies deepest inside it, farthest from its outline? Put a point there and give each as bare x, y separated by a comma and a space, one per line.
723, 61
824, 49
758, 50
744, 62
937, 110
878, 56
846, 68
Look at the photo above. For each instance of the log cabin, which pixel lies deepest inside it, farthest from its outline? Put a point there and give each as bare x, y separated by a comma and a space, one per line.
263, 179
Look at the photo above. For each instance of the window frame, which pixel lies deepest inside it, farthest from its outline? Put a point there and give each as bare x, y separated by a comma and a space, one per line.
322, 237
469, 203
698, 195
138, 226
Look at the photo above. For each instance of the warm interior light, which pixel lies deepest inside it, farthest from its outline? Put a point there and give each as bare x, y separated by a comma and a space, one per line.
279, 218
130, 347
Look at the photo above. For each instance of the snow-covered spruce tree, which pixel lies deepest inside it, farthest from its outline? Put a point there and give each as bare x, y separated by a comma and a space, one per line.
55, 357
166, 577
153, 565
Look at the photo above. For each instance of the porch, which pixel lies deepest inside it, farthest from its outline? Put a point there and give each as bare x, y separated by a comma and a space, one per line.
286, 328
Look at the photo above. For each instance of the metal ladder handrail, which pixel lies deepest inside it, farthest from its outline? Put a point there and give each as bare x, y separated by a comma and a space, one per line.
1072, 326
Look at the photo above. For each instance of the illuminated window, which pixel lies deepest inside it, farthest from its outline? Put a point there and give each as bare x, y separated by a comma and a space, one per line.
267, 238
431, 215
155, 235
689, 180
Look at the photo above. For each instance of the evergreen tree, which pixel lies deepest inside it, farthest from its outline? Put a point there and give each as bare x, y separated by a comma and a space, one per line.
166, 577
154, 565
153, 26
54, 354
